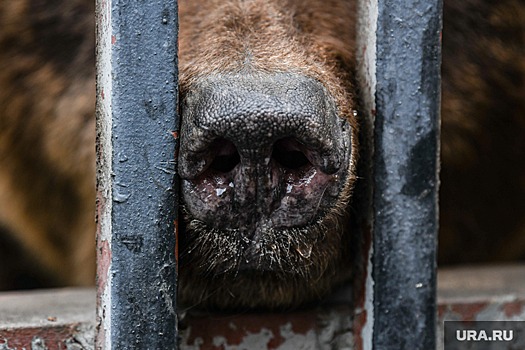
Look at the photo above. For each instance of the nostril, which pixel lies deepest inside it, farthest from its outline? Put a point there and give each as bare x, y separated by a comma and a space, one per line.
226, 156
287, 152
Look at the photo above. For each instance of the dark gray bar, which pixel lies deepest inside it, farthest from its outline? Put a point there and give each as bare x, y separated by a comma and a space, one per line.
137, 213
406, 146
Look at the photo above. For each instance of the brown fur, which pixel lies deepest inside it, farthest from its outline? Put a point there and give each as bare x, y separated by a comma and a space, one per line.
47, 156
313, 38
269, 37
47, 133
483, 132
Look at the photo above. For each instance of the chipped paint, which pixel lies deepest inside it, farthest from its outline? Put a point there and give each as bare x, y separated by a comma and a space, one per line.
4, 344
324, 328
137, 204
38, 344
392, 45
492, 308
61, 337
514, 309
363, 289
327, 327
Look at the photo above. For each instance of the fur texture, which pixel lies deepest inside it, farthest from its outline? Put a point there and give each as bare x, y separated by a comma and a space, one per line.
483, 132
47, 136
314, 39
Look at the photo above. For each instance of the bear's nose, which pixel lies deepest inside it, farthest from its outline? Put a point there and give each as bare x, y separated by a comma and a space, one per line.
256, 147
229, 118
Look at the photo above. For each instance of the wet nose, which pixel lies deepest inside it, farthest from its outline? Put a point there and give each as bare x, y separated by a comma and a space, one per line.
234, 118
260, 147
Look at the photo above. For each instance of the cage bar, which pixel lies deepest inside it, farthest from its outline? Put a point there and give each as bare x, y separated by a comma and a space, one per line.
399, 52
136, 192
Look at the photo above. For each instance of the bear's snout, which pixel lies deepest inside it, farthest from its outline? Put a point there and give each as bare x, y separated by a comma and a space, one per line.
261, 154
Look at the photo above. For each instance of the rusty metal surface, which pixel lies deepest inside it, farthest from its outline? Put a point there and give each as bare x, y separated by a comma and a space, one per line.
406, 147
47, 320
328, 328
366, 56
480, 293
65, 319
398, 66
137, 93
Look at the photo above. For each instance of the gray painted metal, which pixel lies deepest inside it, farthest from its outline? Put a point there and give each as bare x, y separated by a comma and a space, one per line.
406, 147
136, 146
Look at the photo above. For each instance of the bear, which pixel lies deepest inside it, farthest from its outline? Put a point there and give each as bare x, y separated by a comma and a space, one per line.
288, 250
482, 144
46, 199
267, 183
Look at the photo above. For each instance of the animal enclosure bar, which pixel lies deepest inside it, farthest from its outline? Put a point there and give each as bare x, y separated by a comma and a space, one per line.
136, 193
137, 104
399, 50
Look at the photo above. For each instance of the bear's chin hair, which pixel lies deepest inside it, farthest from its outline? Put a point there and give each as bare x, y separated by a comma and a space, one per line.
291, 266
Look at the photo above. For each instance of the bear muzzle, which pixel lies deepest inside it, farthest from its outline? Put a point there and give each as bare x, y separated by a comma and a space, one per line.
262, 155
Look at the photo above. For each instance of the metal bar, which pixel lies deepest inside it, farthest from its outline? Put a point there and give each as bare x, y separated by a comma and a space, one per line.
399, 53
136, 192
366, 72
406, 134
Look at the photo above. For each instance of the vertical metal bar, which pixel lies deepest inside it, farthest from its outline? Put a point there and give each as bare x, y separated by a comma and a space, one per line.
406, 134
136, 214
366, 72
399, 53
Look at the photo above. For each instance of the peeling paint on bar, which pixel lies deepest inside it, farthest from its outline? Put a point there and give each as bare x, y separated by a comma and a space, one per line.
323, 328
137, 95
398, 65
401, 98
65, 319
61, 319
406, 150
104, 190
366, 53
